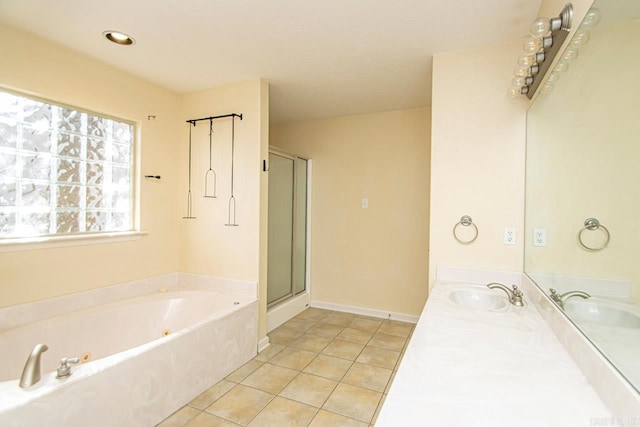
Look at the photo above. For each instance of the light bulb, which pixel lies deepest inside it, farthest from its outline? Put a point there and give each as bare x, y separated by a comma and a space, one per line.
527, 60
553, 77
546, 88
561, 66
532, 45
580, 38
118, 37
540, 27
514, 92
522, 71
591, 19
522, 81
570, 54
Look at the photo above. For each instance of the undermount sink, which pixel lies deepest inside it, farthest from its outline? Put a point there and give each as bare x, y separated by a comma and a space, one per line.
603, 312
478, 298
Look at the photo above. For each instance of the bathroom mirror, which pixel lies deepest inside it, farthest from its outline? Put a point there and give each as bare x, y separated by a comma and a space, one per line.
583, 164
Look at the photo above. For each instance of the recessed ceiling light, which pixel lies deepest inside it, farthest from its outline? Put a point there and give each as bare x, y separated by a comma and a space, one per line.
118, 37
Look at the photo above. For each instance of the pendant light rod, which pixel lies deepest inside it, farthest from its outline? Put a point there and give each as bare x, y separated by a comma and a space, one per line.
232, 199
210, 170
193, 121
189, 205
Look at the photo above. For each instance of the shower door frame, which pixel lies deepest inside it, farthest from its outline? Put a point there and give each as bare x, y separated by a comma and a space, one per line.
288, 306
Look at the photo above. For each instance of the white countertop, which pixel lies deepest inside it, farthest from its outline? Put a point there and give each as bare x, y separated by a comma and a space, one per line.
466, 367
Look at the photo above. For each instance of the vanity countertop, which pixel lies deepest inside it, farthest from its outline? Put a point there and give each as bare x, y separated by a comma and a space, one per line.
466, 367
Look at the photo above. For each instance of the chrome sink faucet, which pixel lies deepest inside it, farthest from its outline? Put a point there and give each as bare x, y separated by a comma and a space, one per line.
561, 299
31, 371
514, 294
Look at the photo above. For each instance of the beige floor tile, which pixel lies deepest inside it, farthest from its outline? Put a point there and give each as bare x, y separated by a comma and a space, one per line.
392, 327
389, 342
325, 330
309, 389
365, 324
293, 358
343, 349
299, 324
379, 357
313, 314
329, 419
283, 335
328, 367
244, 371
212, 394
339, 319
312, 343
180, 417
240, 404
354, 402
283, 412
207, 420
269, 352
270, 378
367, 376
358, 336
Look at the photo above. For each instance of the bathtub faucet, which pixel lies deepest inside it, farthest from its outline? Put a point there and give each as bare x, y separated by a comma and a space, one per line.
31, 371
64, 370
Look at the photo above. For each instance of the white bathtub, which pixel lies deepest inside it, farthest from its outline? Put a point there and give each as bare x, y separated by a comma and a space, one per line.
135, 376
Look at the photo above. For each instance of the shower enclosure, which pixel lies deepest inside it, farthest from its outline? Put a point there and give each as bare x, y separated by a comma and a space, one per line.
287, 230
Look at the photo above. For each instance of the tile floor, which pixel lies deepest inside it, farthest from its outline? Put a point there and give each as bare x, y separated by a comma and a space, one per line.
323, 368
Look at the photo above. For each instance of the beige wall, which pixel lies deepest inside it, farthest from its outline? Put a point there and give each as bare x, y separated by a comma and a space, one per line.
207, 245
477, 157
374, 257
36, 66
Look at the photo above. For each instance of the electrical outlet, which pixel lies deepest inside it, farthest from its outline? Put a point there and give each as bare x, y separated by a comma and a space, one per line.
365, 203
539, 237
509, 236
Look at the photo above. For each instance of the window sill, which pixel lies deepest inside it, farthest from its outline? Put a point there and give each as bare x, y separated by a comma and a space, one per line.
33, 243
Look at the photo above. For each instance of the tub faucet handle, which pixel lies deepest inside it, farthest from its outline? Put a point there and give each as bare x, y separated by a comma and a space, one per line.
64, 370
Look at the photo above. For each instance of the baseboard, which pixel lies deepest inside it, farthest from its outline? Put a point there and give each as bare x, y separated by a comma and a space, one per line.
402, 317
263, 343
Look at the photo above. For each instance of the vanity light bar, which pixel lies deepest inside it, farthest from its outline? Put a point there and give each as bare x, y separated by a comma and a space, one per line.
547, 36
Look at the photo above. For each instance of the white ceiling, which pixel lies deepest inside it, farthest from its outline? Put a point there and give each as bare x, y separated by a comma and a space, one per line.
323, 58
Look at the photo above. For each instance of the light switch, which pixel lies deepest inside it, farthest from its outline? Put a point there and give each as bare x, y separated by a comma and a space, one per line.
365, 203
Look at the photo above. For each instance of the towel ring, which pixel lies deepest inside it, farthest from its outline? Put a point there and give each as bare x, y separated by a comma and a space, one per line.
465, 221
592, 224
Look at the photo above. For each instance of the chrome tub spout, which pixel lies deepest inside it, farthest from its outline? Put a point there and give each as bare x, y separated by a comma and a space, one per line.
31, 372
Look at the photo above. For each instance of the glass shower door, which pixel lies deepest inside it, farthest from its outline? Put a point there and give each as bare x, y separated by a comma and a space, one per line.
287, 247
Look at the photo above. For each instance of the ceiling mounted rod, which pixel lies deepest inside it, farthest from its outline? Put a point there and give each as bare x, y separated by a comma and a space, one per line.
193, 121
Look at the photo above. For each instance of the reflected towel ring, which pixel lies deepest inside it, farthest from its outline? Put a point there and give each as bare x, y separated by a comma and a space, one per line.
465, 221
593, 224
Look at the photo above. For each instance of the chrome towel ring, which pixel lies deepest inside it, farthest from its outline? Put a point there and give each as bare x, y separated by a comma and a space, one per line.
593, 224
465, 221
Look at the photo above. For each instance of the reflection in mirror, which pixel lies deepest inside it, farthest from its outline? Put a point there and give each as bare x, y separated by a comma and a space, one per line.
583, 154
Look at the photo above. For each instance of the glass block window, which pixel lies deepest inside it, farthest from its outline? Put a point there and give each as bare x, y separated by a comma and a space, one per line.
62, 170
